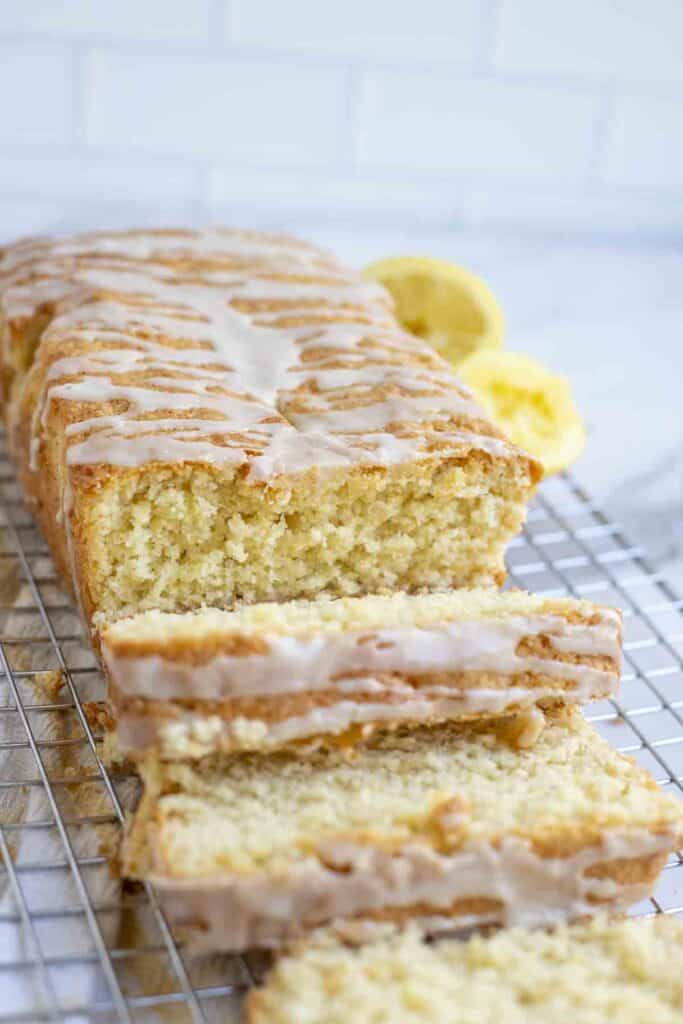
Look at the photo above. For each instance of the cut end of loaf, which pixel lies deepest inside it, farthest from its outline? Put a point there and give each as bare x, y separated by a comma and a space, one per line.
221, 416
630, 971
180, 538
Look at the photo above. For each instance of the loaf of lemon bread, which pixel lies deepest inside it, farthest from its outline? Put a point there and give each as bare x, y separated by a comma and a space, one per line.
220, 416
448, 825
598, 972
265, 675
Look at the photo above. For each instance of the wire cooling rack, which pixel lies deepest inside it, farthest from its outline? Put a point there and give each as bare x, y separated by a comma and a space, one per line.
76, 945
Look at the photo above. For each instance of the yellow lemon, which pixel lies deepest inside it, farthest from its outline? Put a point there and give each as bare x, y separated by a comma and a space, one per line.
531, 405
444, 304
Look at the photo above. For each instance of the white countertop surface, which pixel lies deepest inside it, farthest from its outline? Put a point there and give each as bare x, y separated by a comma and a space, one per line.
609, 315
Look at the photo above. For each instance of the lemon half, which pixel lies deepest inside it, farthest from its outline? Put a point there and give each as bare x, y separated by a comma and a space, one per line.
531, 405
445, 304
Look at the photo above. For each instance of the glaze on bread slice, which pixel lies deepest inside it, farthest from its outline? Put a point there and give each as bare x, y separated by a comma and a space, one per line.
448, 825
268, 675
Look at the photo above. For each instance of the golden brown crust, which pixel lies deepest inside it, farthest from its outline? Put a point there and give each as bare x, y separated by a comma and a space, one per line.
542, 646
562, 842
193, 650
205, 646
473, 906
68, 306
275, 709
629, 871
565, 841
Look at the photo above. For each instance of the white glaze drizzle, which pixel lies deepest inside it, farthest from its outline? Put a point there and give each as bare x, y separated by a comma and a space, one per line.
191, 734
298, 664
180, 331
235, 912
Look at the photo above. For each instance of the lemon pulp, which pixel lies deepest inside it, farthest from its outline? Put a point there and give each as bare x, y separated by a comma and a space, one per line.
451, 308
532, 406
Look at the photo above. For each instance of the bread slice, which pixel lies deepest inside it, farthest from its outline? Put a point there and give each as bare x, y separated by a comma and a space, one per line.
268, 675
598, 972
205, 417
447, 825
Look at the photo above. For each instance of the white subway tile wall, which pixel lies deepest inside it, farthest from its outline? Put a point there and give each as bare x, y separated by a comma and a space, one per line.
134, 19
251, 112
37, 94
449, 113
614, 40
402, 30
657, 123
433, 122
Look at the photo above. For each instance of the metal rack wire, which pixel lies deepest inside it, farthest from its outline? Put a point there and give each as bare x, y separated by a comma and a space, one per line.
77, 946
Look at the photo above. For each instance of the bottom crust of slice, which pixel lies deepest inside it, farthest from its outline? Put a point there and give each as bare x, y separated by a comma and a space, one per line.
486, 883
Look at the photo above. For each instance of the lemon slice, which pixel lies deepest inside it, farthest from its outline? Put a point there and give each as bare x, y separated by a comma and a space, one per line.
444, 304
531, 405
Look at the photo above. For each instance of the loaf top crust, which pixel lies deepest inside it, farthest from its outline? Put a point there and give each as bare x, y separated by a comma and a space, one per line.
224, 347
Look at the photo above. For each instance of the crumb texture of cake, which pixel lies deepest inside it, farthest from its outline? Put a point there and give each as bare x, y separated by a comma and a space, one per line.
219, 416
444, 824
600, 972
263, 676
